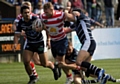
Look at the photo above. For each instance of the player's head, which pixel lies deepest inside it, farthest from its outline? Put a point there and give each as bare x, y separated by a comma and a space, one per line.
69, 48
27, 3
25, 11
48, 9
39, 5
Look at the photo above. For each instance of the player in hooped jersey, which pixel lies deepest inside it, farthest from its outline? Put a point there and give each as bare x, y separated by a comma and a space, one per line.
54, 25
34, 43
35, 57
54, 22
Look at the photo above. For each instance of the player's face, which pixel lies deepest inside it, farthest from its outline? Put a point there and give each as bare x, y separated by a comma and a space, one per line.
69, 50
26, 14
48, 12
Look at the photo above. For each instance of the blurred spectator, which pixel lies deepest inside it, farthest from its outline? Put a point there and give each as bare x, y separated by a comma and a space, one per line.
89, 7
53, 1
109, 11
118, 11
83, 2
58, 5
77, 4
39, 9
64, 3
68, 5
10, 1
94, 10
99, 11
20, 2
42, 1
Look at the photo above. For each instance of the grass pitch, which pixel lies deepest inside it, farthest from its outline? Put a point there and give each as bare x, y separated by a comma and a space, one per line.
14, 73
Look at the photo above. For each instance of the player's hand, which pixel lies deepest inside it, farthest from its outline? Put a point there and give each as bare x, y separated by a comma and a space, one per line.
102, 26
62, 64
23, 33
14, 47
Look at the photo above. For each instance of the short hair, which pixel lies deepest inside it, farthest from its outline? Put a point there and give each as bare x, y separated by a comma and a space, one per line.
23, 7
48, 5
26, 3
69, 43
39, 4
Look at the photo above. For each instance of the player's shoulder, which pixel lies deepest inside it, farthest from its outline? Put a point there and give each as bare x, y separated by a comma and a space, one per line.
58, 12
19, 16
33, 14
34, 17
75, 51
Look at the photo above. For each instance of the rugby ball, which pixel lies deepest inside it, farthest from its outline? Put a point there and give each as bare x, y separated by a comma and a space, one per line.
37, 24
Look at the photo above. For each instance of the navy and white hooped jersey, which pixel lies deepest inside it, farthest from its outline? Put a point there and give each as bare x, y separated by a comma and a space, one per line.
31, 35
82, 28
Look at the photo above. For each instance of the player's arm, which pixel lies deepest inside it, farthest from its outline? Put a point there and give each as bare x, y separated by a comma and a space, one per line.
17, 35
67, 29
14, 26
16, 22
48, 39
71, 16
71, 66
70, 28
97, 23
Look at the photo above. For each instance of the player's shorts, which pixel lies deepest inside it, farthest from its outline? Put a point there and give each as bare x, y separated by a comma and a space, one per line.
75, 72
89, 46
35, 47
58, 48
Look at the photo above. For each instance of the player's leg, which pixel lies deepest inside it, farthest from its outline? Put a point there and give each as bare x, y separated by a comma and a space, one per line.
58, 49
77, 77
27, 56
34, 69
85, 55
105, 78
44, 62
69, 76
108, 77
35, 61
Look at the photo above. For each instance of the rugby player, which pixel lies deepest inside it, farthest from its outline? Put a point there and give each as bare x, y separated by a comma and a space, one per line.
34, 43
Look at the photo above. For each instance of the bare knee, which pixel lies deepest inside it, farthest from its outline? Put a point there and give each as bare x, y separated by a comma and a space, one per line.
77, 80
78, 63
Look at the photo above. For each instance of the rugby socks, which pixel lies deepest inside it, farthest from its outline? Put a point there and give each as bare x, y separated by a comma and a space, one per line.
69, 75
111, 78
33, 69
91, 69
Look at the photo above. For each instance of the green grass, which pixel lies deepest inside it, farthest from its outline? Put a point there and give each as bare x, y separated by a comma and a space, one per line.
14, 73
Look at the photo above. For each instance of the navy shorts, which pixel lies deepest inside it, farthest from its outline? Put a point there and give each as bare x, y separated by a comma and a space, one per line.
35, 47
75, 72
89, 46
58, 48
